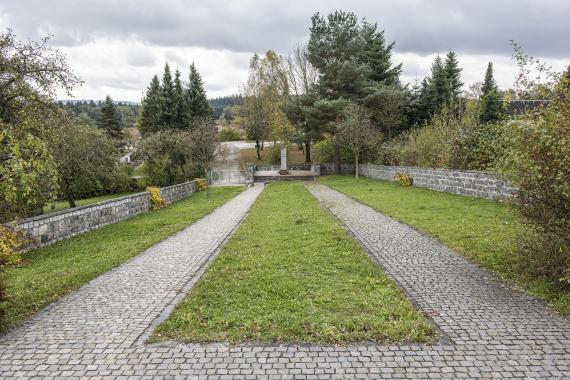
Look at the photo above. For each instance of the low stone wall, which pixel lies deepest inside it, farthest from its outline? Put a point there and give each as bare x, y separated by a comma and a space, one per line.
176, 192
55, 226
471, 183
328, 168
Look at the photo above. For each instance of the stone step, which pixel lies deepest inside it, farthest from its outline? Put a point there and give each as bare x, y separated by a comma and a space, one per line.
271, 178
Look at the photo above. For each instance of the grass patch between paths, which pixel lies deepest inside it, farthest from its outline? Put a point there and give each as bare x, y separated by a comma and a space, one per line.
51, 272
291, 273
482, 230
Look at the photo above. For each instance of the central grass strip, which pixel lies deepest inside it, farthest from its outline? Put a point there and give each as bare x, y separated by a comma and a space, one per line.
291, 273
51, 272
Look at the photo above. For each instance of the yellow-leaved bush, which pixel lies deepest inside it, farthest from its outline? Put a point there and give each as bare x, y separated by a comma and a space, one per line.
404, 179
200, 184
156, 200
12, 242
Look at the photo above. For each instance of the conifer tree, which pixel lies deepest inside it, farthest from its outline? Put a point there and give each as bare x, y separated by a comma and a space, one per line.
167, 99
453, 75
150, 119
109, 120
491, 101
180, 111
378, 56
438, 92
197, 102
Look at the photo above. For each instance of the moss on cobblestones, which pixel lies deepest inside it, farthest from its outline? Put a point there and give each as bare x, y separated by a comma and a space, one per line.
51, 272
291, 273
482, 230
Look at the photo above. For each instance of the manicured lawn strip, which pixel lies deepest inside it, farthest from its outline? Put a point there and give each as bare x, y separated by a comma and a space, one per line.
482, 230
51, 272
291, 273
62, 205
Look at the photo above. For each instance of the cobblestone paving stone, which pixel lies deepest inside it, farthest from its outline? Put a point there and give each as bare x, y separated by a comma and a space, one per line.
488, 330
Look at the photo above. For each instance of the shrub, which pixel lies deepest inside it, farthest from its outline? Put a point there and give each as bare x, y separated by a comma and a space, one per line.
156, 200
325, 152
12, 242
275, 154
404, 179
485, 144
169, 158
230, 134
200, 184
437, 144
538, 164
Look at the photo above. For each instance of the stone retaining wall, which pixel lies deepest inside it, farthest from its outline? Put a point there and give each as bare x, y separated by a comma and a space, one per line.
49, 228
328, 168
176, 192
472, 183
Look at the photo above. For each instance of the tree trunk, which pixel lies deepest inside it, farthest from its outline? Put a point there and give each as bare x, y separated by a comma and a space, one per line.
356, 167
257, 149
71, 200
207, 186
308, 151
262, 145
337, 169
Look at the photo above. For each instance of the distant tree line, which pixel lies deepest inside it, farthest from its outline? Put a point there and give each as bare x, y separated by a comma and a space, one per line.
222, 106
90, 111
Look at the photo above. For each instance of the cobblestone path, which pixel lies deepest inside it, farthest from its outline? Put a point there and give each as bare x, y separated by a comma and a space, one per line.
487, 330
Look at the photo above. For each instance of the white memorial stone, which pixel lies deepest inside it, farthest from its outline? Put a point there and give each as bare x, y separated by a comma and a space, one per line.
283, 158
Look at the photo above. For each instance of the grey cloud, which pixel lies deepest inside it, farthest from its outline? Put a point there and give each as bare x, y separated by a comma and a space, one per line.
423, 27
141, 57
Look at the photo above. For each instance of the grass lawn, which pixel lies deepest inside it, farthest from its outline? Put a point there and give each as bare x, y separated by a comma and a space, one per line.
62, 205
291, 273
49, 273
483, 230
294, 157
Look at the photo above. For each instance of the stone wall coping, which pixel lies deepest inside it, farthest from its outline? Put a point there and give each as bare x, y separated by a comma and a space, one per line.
177, 185
486, 172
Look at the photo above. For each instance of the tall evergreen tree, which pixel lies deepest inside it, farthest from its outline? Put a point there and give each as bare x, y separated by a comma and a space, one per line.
180, 111
150, 116
438, 92
378, 56
197, 102
110, 120
491, 100
167, 99
453, 75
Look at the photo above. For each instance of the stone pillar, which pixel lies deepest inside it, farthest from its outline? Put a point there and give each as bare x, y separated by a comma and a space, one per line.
316, 169
250, 172
284, 158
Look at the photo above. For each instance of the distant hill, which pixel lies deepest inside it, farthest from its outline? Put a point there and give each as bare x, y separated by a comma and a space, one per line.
89, 110
89, 101
219, 104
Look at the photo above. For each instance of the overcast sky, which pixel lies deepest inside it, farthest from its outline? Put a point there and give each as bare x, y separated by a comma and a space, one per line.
116, 46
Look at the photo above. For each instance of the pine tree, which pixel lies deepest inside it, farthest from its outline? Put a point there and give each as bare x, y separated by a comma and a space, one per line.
453, 75
438, 91
196, 99
150, 118
180, 111
491, 101
167, 99
109, 119
378, 56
